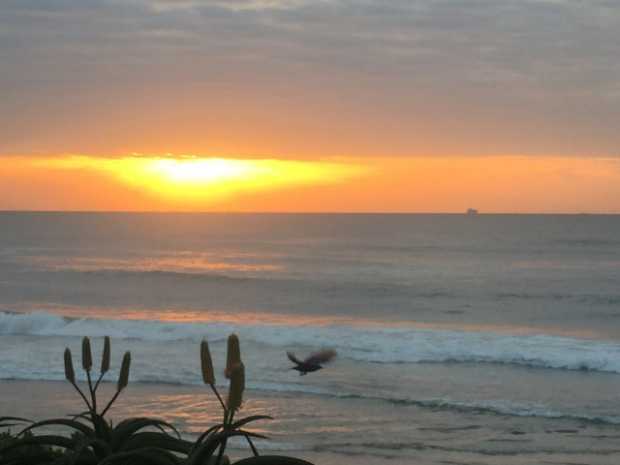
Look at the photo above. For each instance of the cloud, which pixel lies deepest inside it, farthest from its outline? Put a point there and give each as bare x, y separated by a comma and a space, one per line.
547, 70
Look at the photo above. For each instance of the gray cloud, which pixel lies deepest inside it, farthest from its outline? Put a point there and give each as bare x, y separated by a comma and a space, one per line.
548, 70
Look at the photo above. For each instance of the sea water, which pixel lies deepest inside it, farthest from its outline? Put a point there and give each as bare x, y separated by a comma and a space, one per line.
465, 339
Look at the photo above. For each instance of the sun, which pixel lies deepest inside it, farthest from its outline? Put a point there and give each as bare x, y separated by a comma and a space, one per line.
202, 171
205, 180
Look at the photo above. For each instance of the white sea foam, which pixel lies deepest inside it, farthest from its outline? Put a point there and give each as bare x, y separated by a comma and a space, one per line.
162, 350
364, 344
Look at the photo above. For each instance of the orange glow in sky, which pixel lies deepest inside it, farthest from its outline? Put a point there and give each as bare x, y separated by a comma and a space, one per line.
346, 184
203, 181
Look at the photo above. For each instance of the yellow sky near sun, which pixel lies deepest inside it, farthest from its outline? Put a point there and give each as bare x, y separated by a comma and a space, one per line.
199, 182
418, 184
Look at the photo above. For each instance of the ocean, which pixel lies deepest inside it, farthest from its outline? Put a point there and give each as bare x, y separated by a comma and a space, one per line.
478, 339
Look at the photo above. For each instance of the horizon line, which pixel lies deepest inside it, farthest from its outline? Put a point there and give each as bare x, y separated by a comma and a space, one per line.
241, 212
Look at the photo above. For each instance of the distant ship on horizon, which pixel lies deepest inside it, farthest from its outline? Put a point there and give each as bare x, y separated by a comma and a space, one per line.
471, 211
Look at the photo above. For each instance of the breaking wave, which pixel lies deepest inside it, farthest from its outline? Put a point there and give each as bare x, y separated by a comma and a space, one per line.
372, 344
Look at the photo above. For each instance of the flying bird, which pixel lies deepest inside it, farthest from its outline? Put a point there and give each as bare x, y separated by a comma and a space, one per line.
313, 362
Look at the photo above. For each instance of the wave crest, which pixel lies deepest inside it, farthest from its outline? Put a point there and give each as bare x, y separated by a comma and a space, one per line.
360, 343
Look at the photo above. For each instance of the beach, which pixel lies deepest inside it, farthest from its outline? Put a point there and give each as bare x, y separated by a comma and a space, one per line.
490, 339
352, 431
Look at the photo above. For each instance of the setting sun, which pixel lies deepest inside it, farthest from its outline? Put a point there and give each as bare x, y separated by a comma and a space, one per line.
205, 180
201, 171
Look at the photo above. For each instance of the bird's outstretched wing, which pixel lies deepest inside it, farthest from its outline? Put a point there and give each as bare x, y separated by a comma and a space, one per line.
323, 356
292, 358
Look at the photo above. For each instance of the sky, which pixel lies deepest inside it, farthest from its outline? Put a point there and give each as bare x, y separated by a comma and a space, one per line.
299, 105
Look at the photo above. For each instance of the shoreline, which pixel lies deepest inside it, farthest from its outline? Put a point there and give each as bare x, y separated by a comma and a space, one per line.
343, 431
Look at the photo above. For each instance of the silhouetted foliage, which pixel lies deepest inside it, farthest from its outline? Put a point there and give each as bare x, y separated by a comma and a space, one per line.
91, 439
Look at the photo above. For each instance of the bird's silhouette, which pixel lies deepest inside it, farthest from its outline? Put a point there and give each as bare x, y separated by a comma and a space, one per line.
313, 363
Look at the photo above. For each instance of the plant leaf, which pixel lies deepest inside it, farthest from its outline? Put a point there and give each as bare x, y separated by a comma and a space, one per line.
123, 431
44, 440
45, 457
149, 439
251, 434
76, 425
102, 429
7, 422
20, 419
90, 450
246, 420
84, 415
204, 451
144, 456
272, 460
207, 433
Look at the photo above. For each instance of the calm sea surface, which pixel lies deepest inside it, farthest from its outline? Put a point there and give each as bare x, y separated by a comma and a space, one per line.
461, 339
